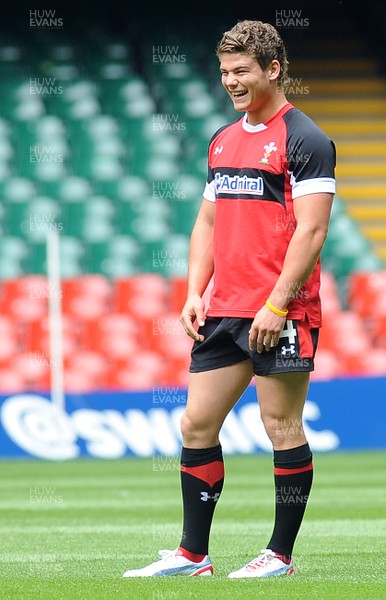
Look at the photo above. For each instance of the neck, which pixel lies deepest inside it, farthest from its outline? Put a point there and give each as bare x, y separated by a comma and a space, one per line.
268, 110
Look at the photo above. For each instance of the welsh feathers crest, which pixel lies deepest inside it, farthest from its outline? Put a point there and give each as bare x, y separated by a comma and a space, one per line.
268, 149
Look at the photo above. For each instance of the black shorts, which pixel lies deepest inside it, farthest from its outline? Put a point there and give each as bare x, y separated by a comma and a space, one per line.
226, 343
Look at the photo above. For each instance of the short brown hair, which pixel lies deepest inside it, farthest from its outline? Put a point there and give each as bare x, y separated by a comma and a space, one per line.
258, 39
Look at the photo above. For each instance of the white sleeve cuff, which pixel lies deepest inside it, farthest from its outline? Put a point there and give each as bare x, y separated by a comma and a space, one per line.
210, 192
319, 185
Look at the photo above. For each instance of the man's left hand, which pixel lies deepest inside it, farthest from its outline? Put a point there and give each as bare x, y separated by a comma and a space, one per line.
265, 330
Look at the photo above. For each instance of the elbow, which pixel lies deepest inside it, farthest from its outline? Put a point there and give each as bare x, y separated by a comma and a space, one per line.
316, 233
319, 235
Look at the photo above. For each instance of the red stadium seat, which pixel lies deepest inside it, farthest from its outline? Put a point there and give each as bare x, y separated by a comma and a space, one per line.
92, 363
9, 339
37, 337
378, 331
113, 334
77, 381
11, 381
329, 294
176, 372
327, 365
33, 368
86, 285
178, 293
25, 299
119, 323
8, 349
344, 333
88, 370
132, 380
366, 293
371, 363
119, 348
169, 337
87, 297
141, 294
144, 371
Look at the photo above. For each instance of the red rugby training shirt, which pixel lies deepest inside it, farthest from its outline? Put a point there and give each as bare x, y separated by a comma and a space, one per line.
254, 174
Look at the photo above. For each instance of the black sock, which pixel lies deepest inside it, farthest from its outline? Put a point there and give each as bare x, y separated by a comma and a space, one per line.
293, 479
202, 479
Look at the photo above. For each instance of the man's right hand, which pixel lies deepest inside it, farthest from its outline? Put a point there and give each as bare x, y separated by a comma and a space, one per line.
194, 309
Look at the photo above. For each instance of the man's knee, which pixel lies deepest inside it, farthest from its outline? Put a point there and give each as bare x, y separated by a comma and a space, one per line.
281, 427
198, 429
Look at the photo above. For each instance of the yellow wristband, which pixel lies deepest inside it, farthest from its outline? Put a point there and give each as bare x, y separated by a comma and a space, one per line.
281, 313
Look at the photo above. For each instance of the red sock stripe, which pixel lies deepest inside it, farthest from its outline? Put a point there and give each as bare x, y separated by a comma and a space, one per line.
278, 471
190, 555
210, 473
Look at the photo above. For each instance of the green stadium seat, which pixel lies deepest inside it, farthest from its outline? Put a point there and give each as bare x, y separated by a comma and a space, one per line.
29, 110
71, 257
62, 53
117, 257
74, 189
36, 262
99, 214
96, 230
10, 53
73, 216
5, 129
13, 250
16, 218
109, 61
63, 72
210, 124
191, 187
6, 150
77, 102
130, 187
158, 169
50, 129
51, 171
17, 189
102, 126
184, 215
167, 256
43, 214
148, 230
105, 168
139, 107
5, 171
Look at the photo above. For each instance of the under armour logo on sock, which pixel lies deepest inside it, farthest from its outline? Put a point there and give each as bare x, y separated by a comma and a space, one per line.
205, 497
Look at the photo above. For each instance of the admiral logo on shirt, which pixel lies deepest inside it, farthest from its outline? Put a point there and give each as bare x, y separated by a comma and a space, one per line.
228, 184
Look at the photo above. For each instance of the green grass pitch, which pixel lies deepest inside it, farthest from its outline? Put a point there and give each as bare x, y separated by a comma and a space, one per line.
69, 530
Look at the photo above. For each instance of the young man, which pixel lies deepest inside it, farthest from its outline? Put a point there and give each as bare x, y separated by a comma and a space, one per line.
260, 231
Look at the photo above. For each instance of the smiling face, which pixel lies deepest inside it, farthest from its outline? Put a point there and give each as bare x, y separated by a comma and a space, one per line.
250, 88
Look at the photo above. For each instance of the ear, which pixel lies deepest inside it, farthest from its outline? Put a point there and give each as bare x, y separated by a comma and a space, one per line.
274, 70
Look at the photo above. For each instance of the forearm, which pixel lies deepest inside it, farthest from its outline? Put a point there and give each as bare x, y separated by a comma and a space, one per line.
301, 257
200, 257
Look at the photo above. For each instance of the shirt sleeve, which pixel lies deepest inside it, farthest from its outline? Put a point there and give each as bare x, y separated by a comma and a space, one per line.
209, 192
311, 157
210, 189
210, 186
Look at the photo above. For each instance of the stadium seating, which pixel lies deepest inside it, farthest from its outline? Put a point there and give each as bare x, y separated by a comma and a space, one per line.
127, 334
110, 150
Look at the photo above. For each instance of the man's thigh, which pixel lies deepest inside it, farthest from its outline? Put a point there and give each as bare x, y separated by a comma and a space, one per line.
212, 394
282, 395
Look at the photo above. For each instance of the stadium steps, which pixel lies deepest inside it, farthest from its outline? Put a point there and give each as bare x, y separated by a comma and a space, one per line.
343, 128
352, 111
330, 67
323, 87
